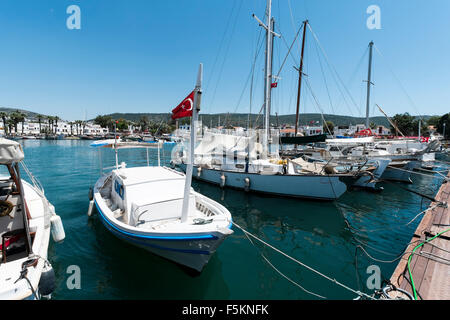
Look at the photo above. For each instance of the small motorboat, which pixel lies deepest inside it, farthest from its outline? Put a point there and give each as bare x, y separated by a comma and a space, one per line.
143, 206
26, 220
148, 138
155, 208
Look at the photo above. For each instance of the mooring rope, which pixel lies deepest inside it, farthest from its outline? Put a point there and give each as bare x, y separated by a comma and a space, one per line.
282, 274
421, 174
393, 227
359, 293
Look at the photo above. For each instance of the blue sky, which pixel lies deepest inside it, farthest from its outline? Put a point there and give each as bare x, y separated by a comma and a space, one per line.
142, 56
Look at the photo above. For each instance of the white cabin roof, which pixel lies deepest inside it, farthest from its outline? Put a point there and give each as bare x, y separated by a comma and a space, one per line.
146, 185
139, 175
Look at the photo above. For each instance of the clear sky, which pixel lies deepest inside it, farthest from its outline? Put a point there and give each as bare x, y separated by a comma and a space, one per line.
143, 55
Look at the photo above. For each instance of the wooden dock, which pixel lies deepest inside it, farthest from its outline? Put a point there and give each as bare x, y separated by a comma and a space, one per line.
430, 265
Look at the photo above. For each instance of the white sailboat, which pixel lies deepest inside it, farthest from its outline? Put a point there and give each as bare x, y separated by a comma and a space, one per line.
155, 208
250, 160
26, 221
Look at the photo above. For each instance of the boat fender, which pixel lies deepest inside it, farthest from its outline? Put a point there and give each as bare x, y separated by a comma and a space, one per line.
47, 282
247, 184
199, 171
222, 180
91, 208
91, 193
57, 228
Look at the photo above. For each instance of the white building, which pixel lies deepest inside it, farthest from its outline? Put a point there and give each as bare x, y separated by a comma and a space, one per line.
31, 127
312, 130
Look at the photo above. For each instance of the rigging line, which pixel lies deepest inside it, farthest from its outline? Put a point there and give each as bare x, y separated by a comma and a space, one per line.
279, 272
220, 47
333, 68
259, 114
290, 48
324, 78
292, 18
318, 106
252, 80
358, 66
400, 84
226, 52
359, 293
248, 77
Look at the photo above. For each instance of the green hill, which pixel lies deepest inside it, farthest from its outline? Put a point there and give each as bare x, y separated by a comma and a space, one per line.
242, 119
28, 114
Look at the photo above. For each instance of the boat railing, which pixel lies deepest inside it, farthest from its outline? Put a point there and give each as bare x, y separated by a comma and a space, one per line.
36, 183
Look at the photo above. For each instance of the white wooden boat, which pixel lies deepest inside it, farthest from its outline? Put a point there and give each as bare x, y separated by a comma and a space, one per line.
155, 208
143, 206
26, 221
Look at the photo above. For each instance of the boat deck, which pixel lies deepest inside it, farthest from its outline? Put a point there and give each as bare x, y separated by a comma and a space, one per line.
430, 267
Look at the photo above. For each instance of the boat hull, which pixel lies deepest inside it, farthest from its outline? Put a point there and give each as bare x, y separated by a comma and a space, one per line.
402, 174
193, 251
327, 188
12, 286
367, 181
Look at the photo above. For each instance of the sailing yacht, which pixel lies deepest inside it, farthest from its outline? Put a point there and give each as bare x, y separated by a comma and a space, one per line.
250, 160
26, 220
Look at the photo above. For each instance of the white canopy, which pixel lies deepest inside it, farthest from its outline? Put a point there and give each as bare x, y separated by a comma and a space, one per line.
351, 140
111, 143
10, 151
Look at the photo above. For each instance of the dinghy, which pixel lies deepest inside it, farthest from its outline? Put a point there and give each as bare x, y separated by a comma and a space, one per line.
155, 208
26, 221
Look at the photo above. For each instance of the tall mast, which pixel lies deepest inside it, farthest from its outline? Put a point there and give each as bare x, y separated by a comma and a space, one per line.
268, 67
369, 75
300, 74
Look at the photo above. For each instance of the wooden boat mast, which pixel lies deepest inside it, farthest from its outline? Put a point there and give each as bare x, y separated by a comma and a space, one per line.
300, 74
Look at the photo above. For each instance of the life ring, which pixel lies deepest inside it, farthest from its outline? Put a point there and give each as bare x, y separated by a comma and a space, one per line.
5, 208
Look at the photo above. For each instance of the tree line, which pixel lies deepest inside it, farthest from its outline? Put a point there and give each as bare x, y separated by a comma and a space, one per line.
144, 124
409, 125
47, 124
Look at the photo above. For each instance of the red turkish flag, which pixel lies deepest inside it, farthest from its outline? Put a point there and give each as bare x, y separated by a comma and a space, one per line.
184, 109
274, 84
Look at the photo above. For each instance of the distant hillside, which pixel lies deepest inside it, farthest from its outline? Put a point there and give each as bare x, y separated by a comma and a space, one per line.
28, 114
238, 119
241, 119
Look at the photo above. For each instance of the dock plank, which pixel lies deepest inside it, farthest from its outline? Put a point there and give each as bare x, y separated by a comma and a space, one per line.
430, 267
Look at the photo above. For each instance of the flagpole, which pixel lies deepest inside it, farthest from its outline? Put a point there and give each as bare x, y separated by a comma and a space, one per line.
115, 145
190, 164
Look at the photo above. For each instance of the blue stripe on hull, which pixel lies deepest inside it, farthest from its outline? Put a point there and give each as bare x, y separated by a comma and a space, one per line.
135, 238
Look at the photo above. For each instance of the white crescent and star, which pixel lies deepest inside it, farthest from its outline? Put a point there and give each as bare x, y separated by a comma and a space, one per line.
184, 107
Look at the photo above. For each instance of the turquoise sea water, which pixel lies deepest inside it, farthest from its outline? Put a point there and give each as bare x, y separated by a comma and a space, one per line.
316, 233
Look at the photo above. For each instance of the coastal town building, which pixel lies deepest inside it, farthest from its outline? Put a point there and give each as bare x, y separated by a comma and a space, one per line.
32, 127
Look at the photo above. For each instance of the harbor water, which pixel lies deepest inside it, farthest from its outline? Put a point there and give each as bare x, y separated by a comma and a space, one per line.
324, 235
